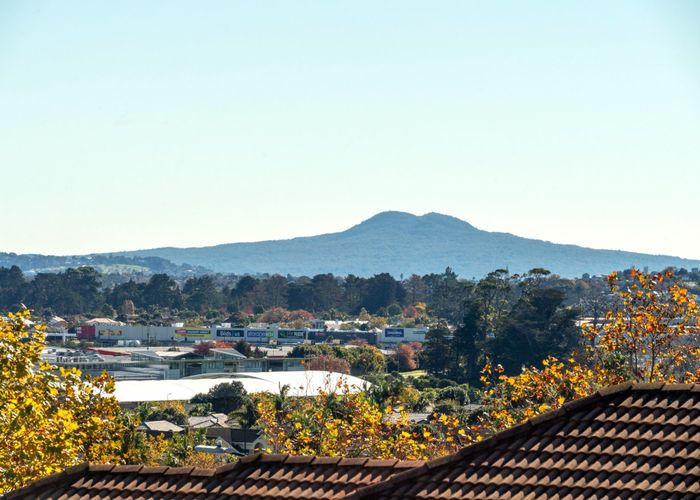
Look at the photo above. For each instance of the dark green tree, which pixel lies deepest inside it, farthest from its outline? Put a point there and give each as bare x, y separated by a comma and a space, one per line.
12, 288
224, 398
468, 344
382, 290
437, 353
202, 293
161, 290
538, 326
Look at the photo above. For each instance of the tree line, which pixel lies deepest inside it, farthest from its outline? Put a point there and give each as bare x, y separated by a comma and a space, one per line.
445, 295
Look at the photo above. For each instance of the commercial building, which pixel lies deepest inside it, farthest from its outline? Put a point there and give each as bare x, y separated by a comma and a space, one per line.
165, 363
121, 334
398, 335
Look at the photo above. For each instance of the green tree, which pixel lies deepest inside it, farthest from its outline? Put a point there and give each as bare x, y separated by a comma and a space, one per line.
161, 290
169, 413
382, 291
12, 288
468, 344
201, 293
224, 398
437, 352
538, 326
363, 359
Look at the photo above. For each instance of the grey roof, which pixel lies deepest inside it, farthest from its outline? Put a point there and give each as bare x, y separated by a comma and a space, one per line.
161, 426
228, 353
213, 420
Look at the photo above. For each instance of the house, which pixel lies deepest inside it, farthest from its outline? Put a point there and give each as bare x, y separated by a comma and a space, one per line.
56, 324
627, 441
156, 427
218, 425
208, 421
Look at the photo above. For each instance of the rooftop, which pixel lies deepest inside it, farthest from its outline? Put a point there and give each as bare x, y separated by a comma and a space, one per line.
254, 477
161, 426
627, 441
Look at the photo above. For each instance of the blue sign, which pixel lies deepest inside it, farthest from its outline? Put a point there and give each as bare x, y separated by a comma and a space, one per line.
230, 333
393, 332
258, 334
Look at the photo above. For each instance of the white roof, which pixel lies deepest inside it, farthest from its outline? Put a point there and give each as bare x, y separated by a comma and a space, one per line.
301, 383
102, 321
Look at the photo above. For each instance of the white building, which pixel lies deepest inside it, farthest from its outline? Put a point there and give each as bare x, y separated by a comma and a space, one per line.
398, 335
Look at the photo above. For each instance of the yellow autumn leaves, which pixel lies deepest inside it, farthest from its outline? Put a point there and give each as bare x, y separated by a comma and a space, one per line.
49, 418
338, 423
651, 336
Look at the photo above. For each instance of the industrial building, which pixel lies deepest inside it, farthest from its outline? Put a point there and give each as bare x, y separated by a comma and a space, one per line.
119, 334
166, 363
398, 335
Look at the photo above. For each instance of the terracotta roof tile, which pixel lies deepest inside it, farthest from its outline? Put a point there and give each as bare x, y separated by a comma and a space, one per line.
625, 441
256, 476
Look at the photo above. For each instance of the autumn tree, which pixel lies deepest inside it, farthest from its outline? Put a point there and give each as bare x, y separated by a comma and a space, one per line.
653, 325
649, 336
341, 423
328, 363
172, 411
406, 356
203, 348
50, 418
363, 359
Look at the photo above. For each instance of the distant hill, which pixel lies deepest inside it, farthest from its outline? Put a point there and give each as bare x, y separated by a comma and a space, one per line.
402, 243
106, 263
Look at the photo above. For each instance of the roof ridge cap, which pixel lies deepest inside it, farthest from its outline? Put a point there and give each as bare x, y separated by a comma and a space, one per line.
660, 386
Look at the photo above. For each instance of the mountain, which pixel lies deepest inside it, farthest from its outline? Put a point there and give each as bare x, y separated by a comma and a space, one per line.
402, 243
106, 263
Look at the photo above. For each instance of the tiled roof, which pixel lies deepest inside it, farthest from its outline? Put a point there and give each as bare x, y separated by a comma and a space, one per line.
253, 477
626, 441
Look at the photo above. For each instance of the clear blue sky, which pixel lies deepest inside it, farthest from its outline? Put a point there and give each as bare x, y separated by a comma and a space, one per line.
136, 124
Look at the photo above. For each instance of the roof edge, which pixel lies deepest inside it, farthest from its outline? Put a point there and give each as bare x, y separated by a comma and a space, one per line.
54, 478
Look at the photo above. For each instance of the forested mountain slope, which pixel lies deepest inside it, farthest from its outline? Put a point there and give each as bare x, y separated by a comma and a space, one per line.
402, 243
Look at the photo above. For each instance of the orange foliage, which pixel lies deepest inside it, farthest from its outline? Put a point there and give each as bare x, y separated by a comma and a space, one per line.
351, 425
650, 337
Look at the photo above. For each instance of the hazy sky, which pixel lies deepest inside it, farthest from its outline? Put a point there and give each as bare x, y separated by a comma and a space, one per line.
129, 125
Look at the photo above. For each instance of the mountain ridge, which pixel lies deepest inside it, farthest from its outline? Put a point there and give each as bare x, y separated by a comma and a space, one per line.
397, 242
403, 243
